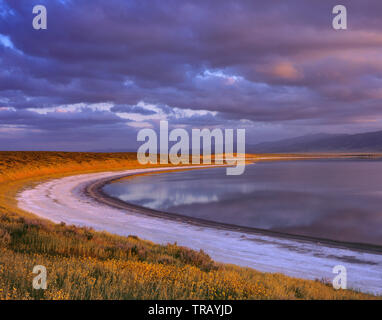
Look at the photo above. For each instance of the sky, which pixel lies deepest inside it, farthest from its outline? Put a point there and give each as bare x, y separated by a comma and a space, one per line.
102, 70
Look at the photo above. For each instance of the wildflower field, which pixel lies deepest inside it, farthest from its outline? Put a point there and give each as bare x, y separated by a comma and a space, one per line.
84, 264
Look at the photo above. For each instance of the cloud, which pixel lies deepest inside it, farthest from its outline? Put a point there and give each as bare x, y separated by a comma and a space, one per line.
285, 70
132, 109
267, 62
58, 119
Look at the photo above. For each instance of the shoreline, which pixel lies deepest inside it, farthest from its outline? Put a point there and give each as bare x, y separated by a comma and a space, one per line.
94, 190
65, 200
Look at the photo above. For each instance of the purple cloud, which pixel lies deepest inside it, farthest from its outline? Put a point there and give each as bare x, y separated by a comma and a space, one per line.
280, 66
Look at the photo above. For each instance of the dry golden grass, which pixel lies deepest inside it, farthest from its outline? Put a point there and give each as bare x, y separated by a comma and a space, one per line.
84, 264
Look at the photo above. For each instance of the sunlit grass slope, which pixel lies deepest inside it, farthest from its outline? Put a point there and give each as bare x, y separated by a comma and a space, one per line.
84, 264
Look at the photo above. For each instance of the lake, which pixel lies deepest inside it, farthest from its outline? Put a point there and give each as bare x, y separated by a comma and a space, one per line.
332, 199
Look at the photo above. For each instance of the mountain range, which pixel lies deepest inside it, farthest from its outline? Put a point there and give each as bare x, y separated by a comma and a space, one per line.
361, 142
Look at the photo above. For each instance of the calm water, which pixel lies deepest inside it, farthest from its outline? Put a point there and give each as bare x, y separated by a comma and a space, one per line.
333, 199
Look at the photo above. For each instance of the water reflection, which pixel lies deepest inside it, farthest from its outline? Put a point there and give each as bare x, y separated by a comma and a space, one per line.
340, 200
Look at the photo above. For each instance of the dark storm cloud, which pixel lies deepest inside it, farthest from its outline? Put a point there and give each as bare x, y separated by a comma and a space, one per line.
58, 119
266, 61
87, 130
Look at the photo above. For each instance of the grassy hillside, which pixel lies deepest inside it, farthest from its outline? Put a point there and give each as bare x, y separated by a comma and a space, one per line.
84, 264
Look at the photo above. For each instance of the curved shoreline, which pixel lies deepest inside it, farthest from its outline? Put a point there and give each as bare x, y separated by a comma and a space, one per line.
65, 200
94, 190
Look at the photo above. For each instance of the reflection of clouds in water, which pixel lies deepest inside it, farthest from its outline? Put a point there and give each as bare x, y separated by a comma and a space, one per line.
162, 198
167, 191
335, 199
173, 199
261, 209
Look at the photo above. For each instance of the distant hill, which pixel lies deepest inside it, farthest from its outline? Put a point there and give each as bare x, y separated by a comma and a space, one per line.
321, 142
362, 142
